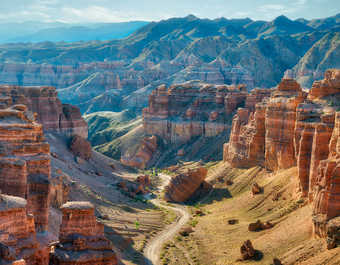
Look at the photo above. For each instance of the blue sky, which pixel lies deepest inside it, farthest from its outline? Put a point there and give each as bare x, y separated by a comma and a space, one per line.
80, 11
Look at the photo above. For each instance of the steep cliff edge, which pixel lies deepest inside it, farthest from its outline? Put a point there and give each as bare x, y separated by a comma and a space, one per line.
185, 118
294, 128
30, 183
51, 113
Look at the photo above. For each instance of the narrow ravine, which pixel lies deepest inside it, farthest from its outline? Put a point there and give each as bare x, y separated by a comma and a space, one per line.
153, 248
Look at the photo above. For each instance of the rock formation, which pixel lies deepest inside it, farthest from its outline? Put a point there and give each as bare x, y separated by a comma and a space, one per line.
247, 250
80, 147
144, 154
25, 177
82, 239
247, 137
184, 184
181, 112
25, 162
51, 113
19, 243
294, 128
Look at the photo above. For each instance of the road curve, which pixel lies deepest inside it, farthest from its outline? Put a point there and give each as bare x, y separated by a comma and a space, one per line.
153, 248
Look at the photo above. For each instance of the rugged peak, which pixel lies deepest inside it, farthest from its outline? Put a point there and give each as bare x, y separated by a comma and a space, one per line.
280, 20
191, 17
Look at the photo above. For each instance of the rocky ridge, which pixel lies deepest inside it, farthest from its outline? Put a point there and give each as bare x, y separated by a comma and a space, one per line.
121, 73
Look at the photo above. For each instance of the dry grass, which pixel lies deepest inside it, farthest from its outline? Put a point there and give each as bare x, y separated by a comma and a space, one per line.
216, 242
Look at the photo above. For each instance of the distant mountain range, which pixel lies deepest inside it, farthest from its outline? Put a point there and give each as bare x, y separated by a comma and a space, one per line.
119, 74
57, 31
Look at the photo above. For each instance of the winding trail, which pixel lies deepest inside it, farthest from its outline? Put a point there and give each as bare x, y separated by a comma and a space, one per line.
153, 248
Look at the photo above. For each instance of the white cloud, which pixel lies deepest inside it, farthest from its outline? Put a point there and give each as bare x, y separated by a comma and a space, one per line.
272, 7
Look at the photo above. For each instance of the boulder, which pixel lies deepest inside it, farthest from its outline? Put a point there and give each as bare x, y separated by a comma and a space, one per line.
247, 250
80, 147
256, 189
259, 226
183, 185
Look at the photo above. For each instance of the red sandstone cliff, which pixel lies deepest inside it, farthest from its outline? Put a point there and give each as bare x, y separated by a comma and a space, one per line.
18, 241
25, 162
293, 128
82, 239
181, 112
51, 113
25, 172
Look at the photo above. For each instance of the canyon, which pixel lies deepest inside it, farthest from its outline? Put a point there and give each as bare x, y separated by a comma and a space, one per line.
187, 100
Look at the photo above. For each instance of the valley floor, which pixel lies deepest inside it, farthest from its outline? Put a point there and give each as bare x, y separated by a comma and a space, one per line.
214, 241
133, 225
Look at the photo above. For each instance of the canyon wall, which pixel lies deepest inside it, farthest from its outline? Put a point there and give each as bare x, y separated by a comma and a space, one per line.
295, 128
181, 112
19, 243
25, 163
25, 178
190, 112
51, 113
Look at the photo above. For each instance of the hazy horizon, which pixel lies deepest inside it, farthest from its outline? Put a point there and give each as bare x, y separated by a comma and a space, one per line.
105, 11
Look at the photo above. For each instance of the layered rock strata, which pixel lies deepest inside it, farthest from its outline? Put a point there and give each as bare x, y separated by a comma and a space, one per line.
82, 239
51, 113
294, 128
25, 162
181, 112
18, 241
184, 184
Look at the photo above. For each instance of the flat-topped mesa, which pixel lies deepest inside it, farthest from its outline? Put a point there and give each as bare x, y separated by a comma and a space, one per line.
82, 239
18, 241
25, 162
183, 185
181, 112
51, 113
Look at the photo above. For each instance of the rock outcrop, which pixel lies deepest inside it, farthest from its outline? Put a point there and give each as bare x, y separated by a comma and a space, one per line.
294, 128
51, 113
247, 250
25, 177
25, 163
183, 185
82, 239
181, 112
144, 154
246, 143
80, 147
19, 243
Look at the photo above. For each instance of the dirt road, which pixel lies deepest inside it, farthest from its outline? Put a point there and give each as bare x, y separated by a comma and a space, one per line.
153, 248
